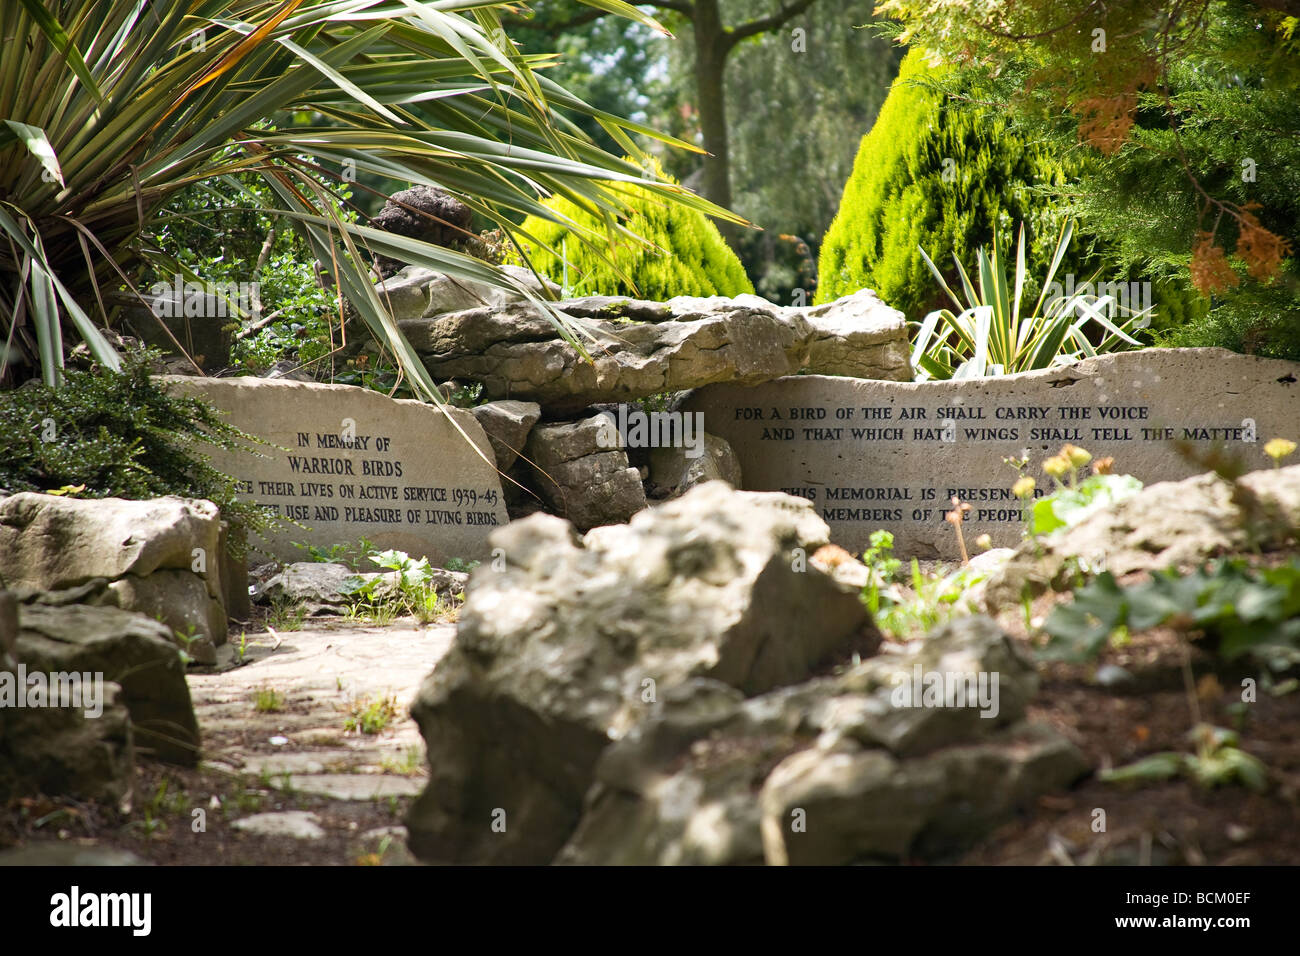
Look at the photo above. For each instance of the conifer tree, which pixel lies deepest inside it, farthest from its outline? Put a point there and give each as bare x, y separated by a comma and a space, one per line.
937, 177
1188, 117
686, 254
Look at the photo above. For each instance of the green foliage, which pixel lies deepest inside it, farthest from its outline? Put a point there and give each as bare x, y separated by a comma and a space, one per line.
347, 554
222, 231
268, 700
1217, 761
1241, 611
1256, 320
186, 639
407, 572
241, 649
882, 565
795, 118
687, 255
932, 599
1182, 125
408, 591
460, 564
897, 198
410, 764
370, 715
285, 615
1069, 505
613, 64
111, 109
993, 335
120, 435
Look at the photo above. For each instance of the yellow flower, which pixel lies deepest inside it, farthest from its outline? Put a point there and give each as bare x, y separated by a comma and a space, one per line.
1024, 488
1279, 448
1056, 467
1076, 456
984, 542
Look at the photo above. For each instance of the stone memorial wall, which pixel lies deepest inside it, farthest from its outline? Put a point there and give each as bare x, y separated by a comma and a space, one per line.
346, 463
875, 454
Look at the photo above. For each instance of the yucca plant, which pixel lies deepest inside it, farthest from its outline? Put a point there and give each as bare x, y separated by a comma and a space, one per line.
109, 107
991, 333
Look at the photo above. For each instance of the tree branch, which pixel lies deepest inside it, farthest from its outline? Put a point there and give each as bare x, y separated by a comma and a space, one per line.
766, 24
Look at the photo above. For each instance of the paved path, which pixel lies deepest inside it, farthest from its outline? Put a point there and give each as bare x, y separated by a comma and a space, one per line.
320, 672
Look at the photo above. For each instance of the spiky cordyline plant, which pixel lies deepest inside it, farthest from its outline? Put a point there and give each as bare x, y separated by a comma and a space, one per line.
108, 107
992, 334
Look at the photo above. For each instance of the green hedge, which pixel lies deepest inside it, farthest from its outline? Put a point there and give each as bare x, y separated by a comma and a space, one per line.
897, 197
698, 259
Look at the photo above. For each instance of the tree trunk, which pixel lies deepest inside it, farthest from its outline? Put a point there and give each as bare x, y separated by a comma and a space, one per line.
710, 64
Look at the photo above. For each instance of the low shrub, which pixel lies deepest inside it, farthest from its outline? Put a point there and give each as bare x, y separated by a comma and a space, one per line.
106, 434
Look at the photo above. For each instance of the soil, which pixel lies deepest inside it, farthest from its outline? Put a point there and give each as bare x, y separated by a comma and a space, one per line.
1166, 823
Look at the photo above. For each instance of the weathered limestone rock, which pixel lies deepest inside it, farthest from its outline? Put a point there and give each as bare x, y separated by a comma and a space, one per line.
317, 586
50, 853
199, 321
843, 566
419, 293
180, 601
313, 584
674, 471
507, 425
233, 550
299, 824
563, 650
127, 649
581, 470
54, 542
859, 336
516, 353
162, 557
8, 629
640, 349
64, 751
870, 806
1173, 523
712, 778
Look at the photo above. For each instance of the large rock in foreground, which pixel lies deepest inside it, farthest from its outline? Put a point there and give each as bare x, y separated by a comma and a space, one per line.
123, 648
80, 750
162, 557
640, 349
852, 768
567, 646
